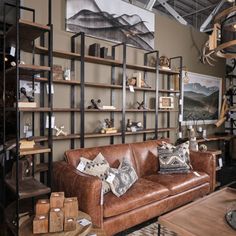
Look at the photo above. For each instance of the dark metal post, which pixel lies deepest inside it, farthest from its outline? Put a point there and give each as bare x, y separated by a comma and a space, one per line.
157, 95
112, 98
145, 99
123, 128
72, 97
82, 88
50, 98
17, 110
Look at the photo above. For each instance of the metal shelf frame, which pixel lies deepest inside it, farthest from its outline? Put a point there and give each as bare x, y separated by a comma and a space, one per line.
18, 8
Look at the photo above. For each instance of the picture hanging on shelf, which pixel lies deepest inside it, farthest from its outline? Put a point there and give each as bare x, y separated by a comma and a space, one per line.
30, 103
52, 122
57, 72
67, 74
52, 89
28, 130
166, 102
28, 85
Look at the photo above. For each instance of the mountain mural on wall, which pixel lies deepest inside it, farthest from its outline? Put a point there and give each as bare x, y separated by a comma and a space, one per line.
200, 102
93, 20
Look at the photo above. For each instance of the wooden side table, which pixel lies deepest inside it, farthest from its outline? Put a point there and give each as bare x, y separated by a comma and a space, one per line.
26, 228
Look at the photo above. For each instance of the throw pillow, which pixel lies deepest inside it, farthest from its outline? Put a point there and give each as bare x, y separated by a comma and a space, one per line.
121, 179
96, 167
174, 159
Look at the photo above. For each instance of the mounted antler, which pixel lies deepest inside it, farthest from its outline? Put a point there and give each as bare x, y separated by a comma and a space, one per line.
207, 54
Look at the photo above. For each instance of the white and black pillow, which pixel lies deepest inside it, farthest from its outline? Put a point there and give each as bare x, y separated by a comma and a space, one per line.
96, 167
121, 179
174, 159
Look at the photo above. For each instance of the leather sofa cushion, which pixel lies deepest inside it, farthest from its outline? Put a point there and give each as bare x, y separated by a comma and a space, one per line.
178, 183
141, 193
145, 154
114, 154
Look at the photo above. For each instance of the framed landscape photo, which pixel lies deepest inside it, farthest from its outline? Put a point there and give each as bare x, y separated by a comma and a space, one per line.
201, 98
115, 20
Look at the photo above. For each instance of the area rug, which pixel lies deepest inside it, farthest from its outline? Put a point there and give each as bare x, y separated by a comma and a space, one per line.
152, 230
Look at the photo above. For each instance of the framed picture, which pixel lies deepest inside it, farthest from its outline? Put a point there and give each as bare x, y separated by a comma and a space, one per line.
166, 102
119, 21
202, 96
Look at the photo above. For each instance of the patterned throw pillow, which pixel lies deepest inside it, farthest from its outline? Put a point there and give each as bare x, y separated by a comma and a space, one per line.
121, 179
174, 159
96, 167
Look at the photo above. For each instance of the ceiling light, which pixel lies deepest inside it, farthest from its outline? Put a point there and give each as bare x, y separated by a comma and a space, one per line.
6, 59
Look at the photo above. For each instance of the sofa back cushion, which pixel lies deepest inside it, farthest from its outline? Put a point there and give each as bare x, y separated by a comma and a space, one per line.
114, 154
145, 154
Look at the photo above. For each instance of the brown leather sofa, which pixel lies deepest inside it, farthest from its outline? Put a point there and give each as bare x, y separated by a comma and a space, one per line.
152, 195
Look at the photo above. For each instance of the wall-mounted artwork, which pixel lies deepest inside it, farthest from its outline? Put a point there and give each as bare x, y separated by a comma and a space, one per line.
201, 98
118, 21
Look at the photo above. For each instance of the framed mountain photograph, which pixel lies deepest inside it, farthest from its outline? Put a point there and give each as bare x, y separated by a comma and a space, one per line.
202, 97
118, 22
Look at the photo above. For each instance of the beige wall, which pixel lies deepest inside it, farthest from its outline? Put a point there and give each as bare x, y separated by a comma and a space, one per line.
171, 38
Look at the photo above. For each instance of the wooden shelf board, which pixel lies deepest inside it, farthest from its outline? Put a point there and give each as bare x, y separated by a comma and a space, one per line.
103, 110
98, 135
140, 110
66, 109
36, 150
168, 110
141, 68
102, 85
168, 91
168, 72
29, 109
216, 138
28, 188
102, 61
27, 70
26, 38
42, 167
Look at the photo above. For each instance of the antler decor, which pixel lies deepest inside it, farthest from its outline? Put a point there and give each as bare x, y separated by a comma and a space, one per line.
221, 42
207, 54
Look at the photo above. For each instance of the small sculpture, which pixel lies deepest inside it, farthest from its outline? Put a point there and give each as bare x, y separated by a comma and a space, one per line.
23, 91
108, 127
141, 106
94, 104
60, 131
109, 123
164, 62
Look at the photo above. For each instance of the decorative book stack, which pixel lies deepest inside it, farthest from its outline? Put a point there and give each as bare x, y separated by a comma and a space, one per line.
55, 215
27, 144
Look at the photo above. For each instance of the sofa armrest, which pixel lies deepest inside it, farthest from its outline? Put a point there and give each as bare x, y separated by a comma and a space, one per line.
85, 187
205, 162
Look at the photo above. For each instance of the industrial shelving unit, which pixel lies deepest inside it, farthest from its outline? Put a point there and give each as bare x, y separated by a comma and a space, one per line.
22, 36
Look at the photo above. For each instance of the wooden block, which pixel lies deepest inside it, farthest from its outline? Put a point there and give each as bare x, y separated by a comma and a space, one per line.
56, 220
71, 207
40, 224
57, 200
69, 224
42, 207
